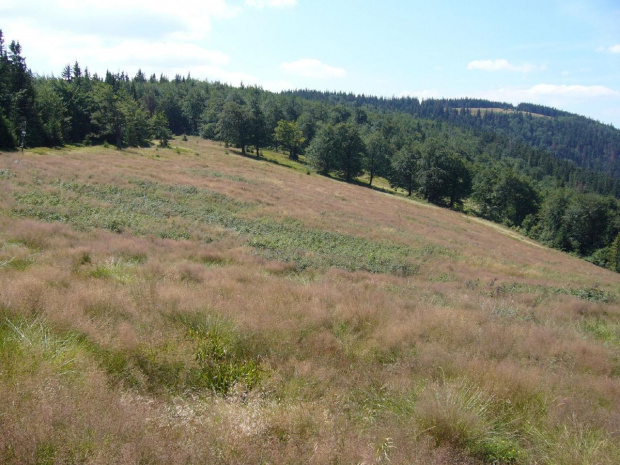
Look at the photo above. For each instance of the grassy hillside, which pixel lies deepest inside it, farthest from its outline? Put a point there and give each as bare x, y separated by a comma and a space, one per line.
191, 305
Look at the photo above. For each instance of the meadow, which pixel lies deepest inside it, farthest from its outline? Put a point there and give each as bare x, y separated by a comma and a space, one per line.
192, 305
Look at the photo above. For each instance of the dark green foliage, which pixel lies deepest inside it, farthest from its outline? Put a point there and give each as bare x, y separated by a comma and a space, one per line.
581, 140
614, 254
504, 195
7, 139
258, 125
234, 122
289, 135
587, 223
193, 106
405, 167
338, 148
159, 127
111, 115
308, 123
322, 151
442, 174
209, 128
377, 157
350, 151
17, 96
272, 108
55, 121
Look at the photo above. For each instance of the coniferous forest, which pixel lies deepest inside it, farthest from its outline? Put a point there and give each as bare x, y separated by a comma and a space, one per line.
552, 175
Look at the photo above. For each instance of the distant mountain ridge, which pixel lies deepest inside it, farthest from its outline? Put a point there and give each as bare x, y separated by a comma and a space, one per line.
584, 141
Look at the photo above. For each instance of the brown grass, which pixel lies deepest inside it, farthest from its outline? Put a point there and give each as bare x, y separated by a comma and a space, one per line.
487, 353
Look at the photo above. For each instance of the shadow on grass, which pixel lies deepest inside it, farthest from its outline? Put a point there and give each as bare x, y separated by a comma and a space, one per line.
273, 161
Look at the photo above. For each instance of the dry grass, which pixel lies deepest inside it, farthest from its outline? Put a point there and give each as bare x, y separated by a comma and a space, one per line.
144, 319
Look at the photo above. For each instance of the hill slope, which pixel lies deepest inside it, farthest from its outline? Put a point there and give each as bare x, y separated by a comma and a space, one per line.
584, 141
197, 306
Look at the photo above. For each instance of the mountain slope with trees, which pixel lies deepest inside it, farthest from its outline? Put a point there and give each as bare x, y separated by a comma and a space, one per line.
546, 172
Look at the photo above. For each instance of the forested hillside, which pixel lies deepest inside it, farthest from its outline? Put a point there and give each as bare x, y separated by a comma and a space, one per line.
553, 175
585, 142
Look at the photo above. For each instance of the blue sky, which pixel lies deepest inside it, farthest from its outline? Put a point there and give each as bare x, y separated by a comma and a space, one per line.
564, 54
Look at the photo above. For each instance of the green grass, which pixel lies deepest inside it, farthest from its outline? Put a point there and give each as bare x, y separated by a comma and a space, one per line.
172, 211
212, 356
207, 173
29, 346
462, 414
591, 294
601, 330
182, 352
114, 269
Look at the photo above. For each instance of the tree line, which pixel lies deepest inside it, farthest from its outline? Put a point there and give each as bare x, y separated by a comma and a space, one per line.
474, 169
583, 141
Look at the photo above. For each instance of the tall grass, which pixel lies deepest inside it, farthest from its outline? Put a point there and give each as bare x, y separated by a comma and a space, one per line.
219, 309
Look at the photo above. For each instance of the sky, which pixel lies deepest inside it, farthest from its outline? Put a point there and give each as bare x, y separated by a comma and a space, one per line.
564, 54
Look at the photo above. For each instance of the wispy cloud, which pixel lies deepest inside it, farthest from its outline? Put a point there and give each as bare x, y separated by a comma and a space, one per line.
123, 35
271, 3
614, 48
188, 19
502, 65
611, 49
313, 68
551, 94
572, 91
590, 100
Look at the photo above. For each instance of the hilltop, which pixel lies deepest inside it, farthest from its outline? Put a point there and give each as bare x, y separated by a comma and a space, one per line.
194, 305
546, 173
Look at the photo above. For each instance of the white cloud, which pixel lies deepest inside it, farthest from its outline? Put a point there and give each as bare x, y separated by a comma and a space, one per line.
572, 91
158, 55
502, 65
184, 19
313, 68
122, 35
611, 49
168, 57
569, 97
157, 36
271, 3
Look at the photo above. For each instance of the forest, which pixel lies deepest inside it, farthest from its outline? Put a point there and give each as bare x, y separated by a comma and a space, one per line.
549, 174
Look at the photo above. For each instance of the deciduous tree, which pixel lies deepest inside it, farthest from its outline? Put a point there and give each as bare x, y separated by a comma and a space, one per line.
290, 136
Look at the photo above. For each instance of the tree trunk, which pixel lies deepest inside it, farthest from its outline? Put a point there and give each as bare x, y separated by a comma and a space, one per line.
119, 139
